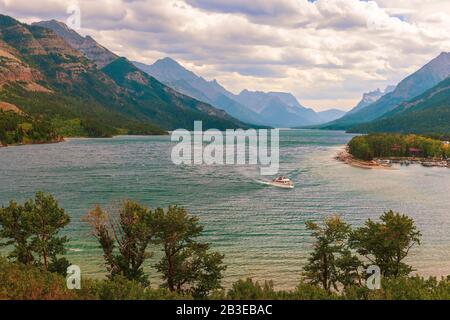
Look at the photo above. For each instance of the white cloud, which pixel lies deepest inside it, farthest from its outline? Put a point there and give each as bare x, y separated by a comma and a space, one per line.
326, 52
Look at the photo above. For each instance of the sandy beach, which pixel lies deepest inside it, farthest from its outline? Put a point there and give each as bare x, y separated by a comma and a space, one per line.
347, 158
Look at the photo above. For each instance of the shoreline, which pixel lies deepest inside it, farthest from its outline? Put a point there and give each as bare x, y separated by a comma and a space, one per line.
386, 163
345, 157
62, 139
67, 139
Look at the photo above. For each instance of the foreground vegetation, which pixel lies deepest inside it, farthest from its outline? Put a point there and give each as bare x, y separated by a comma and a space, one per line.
373, 146
21, 282
35, 267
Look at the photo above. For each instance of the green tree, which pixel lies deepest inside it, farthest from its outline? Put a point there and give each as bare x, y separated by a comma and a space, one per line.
15, 229
19, 128
395, 145
131, 236
331, 262
347, 266
187, 265
33, 230
47, 219
387, 243
360, 148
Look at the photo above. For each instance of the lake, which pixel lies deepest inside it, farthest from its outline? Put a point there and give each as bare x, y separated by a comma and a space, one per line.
260, 229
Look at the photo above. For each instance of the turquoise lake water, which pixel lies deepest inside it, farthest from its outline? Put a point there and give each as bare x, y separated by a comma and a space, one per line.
260, 229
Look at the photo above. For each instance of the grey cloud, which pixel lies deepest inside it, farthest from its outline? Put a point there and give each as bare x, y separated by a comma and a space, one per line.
260, 70
26, 9
252, 8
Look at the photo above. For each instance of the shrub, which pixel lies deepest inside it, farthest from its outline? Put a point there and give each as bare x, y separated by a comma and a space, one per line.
22, 282
249, 290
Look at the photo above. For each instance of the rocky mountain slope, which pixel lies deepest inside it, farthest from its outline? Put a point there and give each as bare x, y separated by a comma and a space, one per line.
417, 83
369, 98
428, 113
44, 76
86, 45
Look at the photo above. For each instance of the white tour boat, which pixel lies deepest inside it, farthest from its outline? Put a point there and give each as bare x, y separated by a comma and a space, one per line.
282, 182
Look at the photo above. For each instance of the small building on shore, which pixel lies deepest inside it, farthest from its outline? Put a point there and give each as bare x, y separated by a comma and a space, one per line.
415, 152
396, 148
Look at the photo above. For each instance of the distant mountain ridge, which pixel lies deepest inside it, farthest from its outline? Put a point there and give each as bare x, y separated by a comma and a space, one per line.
415, 84
330, 115
276, 109
177, 77
370, 97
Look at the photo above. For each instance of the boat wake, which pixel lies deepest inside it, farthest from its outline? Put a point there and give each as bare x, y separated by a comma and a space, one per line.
266, 183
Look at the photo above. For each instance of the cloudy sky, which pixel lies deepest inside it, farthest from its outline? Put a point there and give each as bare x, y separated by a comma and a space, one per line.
326, 52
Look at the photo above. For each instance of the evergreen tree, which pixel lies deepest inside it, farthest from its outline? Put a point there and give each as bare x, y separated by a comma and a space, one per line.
33, 231
15, 229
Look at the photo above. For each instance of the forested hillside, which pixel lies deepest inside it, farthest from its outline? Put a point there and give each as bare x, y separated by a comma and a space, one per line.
427, 114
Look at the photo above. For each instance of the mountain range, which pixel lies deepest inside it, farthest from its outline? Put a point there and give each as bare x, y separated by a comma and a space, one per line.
49, 71
428, 113
412, 86
84, 89
282, 109
175, 76
276, 109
